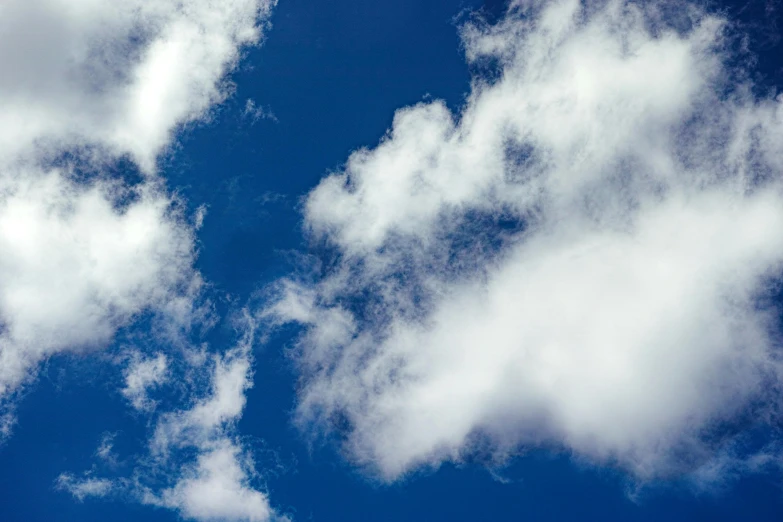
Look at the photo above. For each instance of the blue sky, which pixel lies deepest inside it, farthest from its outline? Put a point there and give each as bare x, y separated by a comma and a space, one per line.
415, 260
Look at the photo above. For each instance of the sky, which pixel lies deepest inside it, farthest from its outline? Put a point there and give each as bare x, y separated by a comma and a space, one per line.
419, 260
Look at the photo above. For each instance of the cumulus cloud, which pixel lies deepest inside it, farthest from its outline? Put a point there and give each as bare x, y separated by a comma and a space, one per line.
84, 84
75, 267
583, 259
216, 489
122, 75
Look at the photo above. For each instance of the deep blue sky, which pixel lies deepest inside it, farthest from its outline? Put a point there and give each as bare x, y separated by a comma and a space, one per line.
332, 73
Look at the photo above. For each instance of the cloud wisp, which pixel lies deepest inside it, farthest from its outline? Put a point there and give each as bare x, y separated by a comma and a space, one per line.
217, 485
143, 374
196, 462
583, 259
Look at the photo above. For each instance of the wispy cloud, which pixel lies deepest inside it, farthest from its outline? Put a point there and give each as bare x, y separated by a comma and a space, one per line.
196, 463
256, 113
86, 487
217, 486
141, 375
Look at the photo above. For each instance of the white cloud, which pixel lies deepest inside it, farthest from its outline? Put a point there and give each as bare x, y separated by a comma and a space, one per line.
142, 374
578, 261
93, 81
256, 113
196, 463
105, 451
216, 489
122, 75
210, 415
85, 487
217, 486
86, 83
74, 268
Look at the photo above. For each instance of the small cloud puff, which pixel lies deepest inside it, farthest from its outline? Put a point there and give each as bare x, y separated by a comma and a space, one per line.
256, 113
141, 375
85, 487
